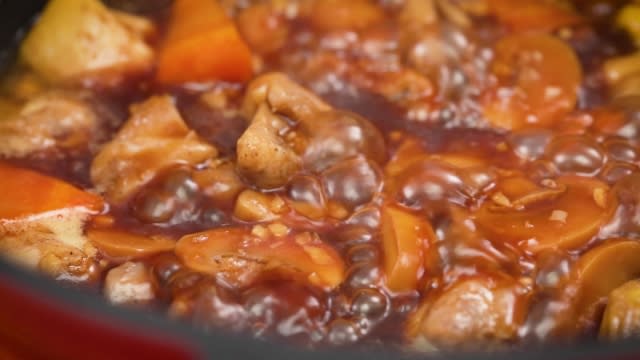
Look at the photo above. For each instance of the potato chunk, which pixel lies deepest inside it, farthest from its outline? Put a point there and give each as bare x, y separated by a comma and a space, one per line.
154, 138
74, 38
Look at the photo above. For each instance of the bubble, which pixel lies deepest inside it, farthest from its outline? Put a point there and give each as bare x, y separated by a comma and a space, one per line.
154, 206
339, 135
621, 150
369, 303
431, 185
352, 182
614, 171
180, 184
307, 189
342, 332
529, 144
352, 235
365, 253
165, 266
214, 217
363, 275
576, 154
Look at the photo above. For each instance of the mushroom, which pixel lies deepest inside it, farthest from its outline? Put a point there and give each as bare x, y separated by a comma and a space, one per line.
239, 256
543, 76
405, 240
621, 318
121, 244
593, 278
564, 214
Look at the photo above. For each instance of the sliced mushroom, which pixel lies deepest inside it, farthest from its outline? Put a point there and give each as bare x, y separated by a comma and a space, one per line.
154, 138
405, 239
564, 216
239, 256
592, 279
543, 74
621, 319
121, 244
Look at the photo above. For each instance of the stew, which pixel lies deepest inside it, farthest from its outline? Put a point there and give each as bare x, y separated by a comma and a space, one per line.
415, 174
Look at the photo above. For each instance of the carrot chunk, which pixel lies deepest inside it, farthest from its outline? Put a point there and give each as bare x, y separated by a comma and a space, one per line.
25, 192
202, 44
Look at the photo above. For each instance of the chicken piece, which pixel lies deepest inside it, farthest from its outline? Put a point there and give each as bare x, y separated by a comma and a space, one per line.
130, 283
283, 97
42, 228
75, 38
475, 312
154, 138
310, 134
264, 157
52, 120
53, 244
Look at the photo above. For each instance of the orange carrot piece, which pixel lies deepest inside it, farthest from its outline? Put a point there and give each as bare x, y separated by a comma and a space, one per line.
202, 44
24, 192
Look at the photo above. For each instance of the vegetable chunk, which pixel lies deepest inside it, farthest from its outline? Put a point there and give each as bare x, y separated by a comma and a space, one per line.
75, 38
202, 44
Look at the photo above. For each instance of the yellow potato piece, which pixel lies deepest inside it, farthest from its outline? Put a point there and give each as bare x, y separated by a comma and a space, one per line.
78, 37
